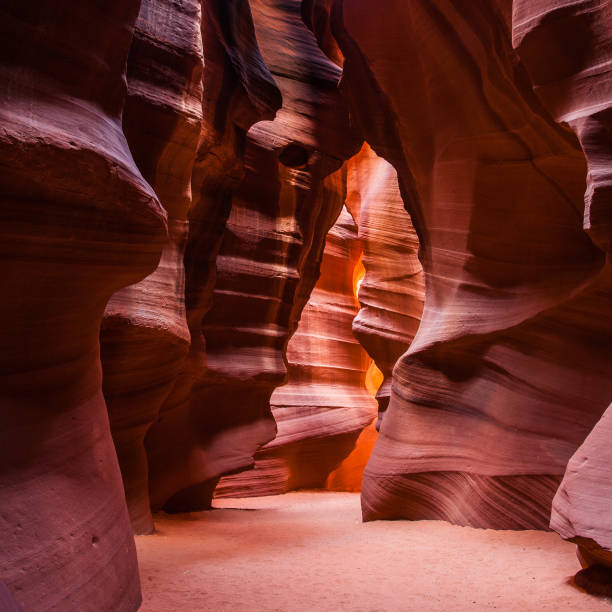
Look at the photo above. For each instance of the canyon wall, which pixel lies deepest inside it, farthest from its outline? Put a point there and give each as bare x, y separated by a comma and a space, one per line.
325, 405
392, 290
144, 338
169, 173
567, 50
267, 263
78, 223
508, 372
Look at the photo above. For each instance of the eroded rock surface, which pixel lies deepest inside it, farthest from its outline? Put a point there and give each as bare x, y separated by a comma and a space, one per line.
325, 405
489, 117
267, 263
581, 507
567, 49
504, 378
145, 337
78, 223
392, 290
238, 91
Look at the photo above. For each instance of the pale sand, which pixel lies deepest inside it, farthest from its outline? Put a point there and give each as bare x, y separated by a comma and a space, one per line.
310, 551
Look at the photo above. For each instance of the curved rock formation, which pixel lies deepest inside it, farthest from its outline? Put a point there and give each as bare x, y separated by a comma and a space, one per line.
392, 290
581, 508
567, 50
316, 16
324, 406
503, 380
78, 223
144, 336
267, 264
487, 117
239, 91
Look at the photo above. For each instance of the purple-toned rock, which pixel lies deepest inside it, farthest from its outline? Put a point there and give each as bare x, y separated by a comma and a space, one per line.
78, 223
267, 264
145, 337
503, 379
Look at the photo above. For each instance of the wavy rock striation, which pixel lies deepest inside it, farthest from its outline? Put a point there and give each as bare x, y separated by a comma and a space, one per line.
268, 260
393, 287
324, 406
78, 223
581, 509
144, 336
238, 91
507, 373
567, 49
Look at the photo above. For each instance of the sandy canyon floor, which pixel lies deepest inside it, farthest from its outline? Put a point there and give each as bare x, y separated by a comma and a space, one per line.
310, 551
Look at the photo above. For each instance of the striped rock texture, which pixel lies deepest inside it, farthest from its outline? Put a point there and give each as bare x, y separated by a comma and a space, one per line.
267, 263
508, 372
238, 91
144, 336
325, 405
78, 223
169, 172
392, 290
567, 49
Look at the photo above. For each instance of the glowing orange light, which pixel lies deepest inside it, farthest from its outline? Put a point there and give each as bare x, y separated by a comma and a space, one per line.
358, 276
373, 379
347, 477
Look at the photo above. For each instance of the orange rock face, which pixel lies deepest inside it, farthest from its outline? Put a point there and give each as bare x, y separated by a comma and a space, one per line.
392, 290
325, 405
504, 379
169, 174
78, 223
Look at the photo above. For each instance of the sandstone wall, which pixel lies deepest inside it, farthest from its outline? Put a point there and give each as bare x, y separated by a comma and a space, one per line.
508, 371
267, 263
186, 161
325, 405
78, 223
567, 49
392, 290
238, 91
144, 337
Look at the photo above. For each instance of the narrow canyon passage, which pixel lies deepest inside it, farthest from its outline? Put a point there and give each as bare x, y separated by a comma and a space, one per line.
306, 305
311, 551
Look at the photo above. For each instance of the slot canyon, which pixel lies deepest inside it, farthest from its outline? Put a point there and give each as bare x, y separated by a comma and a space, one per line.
307, 305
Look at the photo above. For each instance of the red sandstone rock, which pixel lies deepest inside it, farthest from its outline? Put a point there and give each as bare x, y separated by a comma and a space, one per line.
239, 90
581, 508
348, 475
392, 290
567, 49
504, 378
325, 405
316, 15
78, 222
266, 267
144, 332
509, 370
